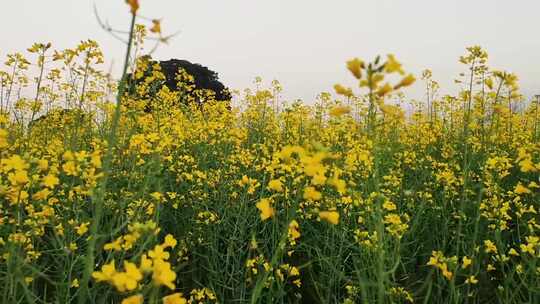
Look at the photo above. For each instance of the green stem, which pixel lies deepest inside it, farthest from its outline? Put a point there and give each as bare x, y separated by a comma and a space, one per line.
99, 194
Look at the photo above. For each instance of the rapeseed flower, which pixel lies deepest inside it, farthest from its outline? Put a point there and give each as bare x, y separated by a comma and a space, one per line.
170, 241
163, 274
159, 253
339, 111
392, 65
466, 262
275, 185
355, 66
311, 194
341, 90
134, 299
134, 6
520, 189
106, 274
294, 233
331, 217
175, 298
264, 206
405, 82
50, 181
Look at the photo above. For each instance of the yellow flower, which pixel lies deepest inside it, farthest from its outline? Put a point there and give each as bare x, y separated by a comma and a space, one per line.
533, 185
490, 246
128, 280
82, 228
163, 275
3, 139
50, 181
170, 241
244, 181
135, 299
266, 209
341, 90
294, 272
73, 247
311, 194
520, 189
527, 165
41, 195
70, 168
106, 273
466, 262
156, 26
275, 185
532, 243
43, 165
19, 178
355, 66
157, 196
134, 4
318, 179
122, 283
313, 166
146, 264
405, 82
436, 257
331, 217
339, 110
388, 205
392, 65
339, 184
175, 298
158, 253
132, 271
445, 272
293, 230
15, 162
384, 90
392, 218
130, 240
75, 283
95, 159
471, 280
377, 77
116, 245
68, 156
513, 252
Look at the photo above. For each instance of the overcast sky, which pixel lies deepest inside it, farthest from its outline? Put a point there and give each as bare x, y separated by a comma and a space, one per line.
302, 43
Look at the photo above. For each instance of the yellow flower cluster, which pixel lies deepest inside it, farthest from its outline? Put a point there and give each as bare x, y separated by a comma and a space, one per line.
155, 262
441, 262
336, 200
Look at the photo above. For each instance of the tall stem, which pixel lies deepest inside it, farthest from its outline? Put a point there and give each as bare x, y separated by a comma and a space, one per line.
41, 61
11, 83
99, 194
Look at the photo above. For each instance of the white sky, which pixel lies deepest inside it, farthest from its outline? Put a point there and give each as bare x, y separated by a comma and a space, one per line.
302, 43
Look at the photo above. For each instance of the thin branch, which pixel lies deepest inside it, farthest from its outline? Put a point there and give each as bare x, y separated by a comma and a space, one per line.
105, 26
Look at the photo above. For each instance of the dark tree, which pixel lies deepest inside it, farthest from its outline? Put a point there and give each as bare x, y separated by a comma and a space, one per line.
203, 79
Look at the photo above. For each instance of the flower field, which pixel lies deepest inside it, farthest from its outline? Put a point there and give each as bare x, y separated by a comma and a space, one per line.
358, 197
